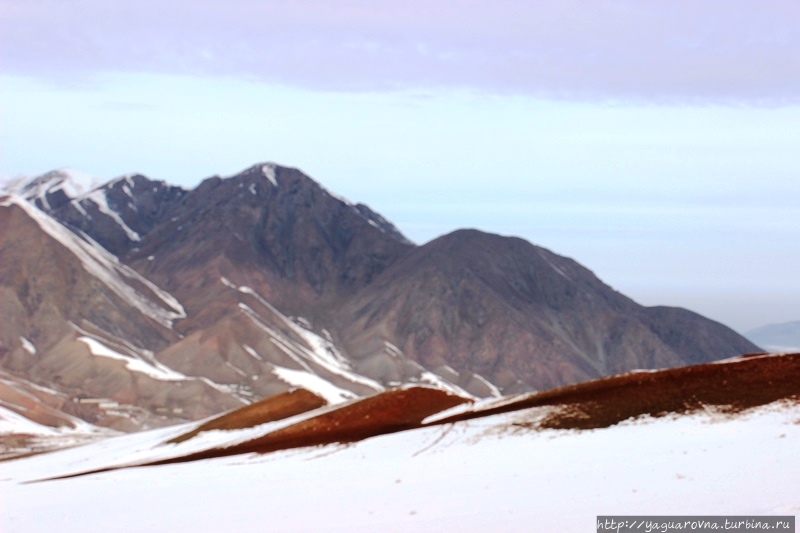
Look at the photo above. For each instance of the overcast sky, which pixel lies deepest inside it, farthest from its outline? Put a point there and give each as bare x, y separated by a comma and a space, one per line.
655, 142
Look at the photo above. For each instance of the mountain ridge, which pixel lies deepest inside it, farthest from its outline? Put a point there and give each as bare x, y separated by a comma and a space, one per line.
273, 282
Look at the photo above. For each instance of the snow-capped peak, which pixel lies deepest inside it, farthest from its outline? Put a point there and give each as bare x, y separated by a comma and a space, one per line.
72, 183
266, 169
269, 172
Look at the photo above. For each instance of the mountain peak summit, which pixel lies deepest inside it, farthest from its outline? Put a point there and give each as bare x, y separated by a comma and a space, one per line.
54, 188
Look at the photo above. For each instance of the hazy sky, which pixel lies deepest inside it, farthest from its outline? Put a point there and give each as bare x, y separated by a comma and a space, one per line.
657, 142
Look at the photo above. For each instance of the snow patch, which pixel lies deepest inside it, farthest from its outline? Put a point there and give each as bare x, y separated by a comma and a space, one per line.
563, 274
28, 384
157, 370
236, 369
317, 350
77, 205
100, 198
252, 352
72, 182
227, 389
342, 199
13, 423
391, 349
77, 182
493, 390
225, 281
451, 369
28, 346
269, 172
313, 383
438, 382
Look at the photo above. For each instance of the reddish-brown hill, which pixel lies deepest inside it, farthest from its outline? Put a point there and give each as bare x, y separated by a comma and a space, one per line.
724, 388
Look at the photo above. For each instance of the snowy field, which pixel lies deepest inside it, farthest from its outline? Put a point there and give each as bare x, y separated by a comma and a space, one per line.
480, 475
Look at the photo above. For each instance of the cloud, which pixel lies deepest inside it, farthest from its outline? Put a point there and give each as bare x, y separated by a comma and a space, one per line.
660, 50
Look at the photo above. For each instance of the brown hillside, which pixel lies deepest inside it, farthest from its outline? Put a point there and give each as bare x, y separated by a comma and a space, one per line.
387, 412
728, 387
270, 409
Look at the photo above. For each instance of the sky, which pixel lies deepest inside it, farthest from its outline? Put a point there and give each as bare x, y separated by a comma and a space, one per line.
654, 142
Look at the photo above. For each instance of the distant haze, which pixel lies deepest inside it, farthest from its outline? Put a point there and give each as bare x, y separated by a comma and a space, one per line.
655, 142
777, 337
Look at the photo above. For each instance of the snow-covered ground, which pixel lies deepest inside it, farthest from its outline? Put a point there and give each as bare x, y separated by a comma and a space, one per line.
20, 435
480, 475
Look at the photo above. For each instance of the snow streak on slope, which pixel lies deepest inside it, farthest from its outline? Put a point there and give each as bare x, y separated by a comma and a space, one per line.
314, 383
28, 346
493, 390
269, 172
12, 423
436, 381
72, 182
544, 255
107, 268
480, 475
317, 350
100, 199
19, 435
154, 370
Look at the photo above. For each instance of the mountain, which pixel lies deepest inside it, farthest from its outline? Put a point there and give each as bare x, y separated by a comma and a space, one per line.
142, 304
84, 325
521, 316
118, 213
276, 228
777, 337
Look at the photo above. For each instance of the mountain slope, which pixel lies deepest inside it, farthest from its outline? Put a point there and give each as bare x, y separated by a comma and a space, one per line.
271, 228
222, 345
76, 320
262, 261
514, 312
119, 213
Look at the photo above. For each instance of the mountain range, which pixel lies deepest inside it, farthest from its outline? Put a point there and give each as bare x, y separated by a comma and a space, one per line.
135, 304
777, 337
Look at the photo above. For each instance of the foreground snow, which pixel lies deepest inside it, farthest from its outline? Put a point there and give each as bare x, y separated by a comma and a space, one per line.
481, 475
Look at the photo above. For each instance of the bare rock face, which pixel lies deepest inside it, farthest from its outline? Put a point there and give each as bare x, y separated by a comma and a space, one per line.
120, 213
164, 304
277, 224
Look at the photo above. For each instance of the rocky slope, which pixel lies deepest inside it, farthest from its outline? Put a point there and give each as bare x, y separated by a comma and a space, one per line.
521, 316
